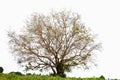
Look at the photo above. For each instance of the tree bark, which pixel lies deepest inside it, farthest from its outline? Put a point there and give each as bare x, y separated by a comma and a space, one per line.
60, 69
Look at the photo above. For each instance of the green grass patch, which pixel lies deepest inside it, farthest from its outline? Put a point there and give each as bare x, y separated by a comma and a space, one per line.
38, 77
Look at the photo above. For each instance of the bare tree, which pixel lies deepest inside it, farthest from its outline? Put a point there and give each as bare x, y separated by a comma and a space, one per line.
57, 41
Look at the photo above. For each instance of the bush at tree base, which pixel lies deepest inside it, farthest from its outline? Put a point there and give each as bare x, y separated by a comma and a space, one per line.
61, 75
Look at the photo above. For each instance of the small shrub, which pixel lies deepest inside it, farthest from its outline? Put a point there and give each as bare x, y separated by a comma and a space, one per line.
102, 77
28, 74
1, 69
17, 73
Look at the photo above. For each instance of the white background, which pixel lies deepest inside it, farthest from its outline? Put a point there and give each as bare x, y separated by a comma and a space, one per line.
102, 16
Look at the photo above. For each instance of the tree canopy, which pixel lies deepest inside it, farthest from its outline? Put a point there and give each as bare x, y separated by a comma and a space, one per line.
56, 41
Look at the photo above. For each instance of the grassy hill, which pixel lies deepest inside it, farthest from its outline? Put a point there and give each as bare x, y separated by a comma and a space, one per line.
38, 77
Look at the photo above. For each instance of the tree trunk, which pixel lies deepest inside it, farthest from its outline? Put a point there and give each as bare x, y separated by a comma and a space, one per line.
60, 69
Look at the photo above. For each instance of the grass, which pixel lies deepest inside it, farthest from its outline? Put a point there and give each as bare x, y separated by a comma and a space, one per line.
38, 77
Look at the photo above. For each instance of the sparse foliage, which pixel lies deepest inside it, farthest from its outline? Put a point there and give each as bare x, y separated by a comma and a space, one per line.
58, 41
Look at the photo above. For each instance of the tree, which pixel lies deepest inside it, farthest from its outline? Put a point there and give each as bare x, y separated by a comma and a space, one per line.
1, 69
57, 41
